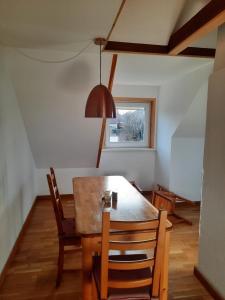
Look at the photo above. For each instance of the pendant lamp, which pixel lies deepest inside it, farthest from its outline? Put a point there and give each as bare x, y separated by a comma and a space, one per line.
100, 103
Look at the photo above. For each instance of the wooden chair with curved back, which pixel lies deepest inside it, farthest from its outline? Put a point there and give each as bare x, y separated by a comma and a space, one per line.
66, 227
130, 276
56, 190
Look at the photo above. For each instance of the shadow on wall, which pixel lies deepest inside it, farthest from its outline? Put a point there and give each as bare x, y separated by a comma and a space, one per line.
75, 77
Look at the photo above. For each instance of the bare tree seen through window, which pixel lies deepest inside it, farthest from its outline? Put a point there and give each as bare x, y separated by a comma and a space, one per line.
129, 125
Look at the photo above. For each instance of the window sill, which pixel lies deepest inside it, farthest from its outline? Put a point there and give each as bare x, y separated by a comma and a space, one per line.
127, 149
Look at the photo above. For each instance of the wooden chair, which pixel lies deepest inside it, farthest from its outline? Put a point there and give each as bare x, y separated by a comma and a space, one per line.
129, 276
136, 186
66, 228
56, 191
52, 172
164, 199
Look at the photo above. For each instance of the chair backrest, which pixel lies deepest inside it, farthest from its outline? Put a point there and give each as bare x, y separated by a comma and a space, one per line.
137, 235
52, 172
136, 186
56, 205
56, 190
162, 188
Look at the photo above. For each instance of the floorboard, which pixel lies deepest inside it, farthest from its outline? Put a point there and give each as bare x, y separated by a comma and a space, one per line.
31, 275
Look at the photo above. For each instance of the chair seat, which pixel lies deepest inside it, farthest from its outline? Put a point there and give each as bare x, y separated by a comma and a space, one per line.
70, 237
142, 293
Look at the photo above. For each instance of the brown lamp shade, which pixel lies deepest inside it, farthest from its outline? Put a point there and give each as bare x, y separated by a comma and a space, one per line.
100, 103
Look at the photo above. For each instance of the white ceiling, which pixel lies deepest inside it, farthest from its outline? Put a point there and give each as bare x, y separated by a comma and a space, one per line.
147, 21
52, 97
153, 22
190, 8
44, 23
154, 70
70, 24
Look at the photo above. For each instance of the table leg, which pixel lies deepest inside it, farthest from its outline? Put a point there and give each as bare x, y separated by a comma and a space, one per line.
86, 268
164, 274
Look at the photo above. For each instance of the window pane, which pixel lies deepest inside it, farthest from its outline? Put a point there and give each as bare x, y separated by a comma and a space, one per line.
129, 126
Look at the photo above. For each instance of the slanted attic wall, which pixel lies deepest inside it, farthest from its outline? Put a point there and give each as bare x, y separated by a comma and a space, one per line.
187, 148
17, 169
134, 164
52, 99
175, 98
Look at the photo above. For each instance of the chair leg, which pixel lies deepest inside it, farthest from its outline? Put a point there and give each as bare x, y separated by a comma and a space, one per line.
94, 289
60, 264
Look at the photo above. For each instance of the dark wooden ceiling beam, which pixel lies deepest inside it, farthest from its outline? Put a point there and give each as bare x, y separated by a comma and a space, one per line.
206, 20
198, 52
123, 47
135, 48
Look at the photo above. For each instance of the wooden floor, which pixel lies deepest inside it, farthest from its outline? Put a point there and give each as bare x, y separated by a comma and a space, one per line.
32, 273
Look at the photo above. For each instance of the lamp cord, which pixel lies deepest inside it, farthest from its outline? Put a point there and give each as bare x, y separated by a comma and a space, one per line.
49, 61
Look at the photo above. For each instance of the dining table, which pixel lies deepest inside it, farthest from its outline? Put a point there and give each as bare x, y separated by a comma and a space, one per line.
130, 205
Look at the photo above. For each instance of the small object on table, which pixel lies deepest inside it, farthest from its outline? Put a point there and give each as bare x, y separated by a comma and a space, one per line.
114, 196
107, 198
114, 200
107, 194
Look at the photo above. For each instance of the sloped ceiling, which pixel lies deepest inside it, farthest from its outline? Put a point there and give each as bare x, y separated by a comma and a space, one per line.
153, 22
52, 99
190, 8
193, 123
154, 70
52, 96
140, 19
51, 23
70, 23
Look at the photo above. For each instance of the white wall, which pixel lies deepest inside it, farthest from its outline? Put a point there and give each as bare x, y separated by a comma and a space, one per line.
193, 122
134, 164
138, 165
17, 182
142, 91
212, 226
175, 99
187, 167
187, 149
52, 99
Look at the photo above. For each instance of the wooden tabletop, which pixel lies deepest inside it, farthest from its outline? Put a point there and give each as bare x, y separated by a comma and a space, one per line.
130, 205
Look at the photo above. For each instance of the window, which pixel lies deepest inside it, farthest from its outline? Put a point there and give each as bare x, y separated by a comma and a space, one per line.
134, 125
